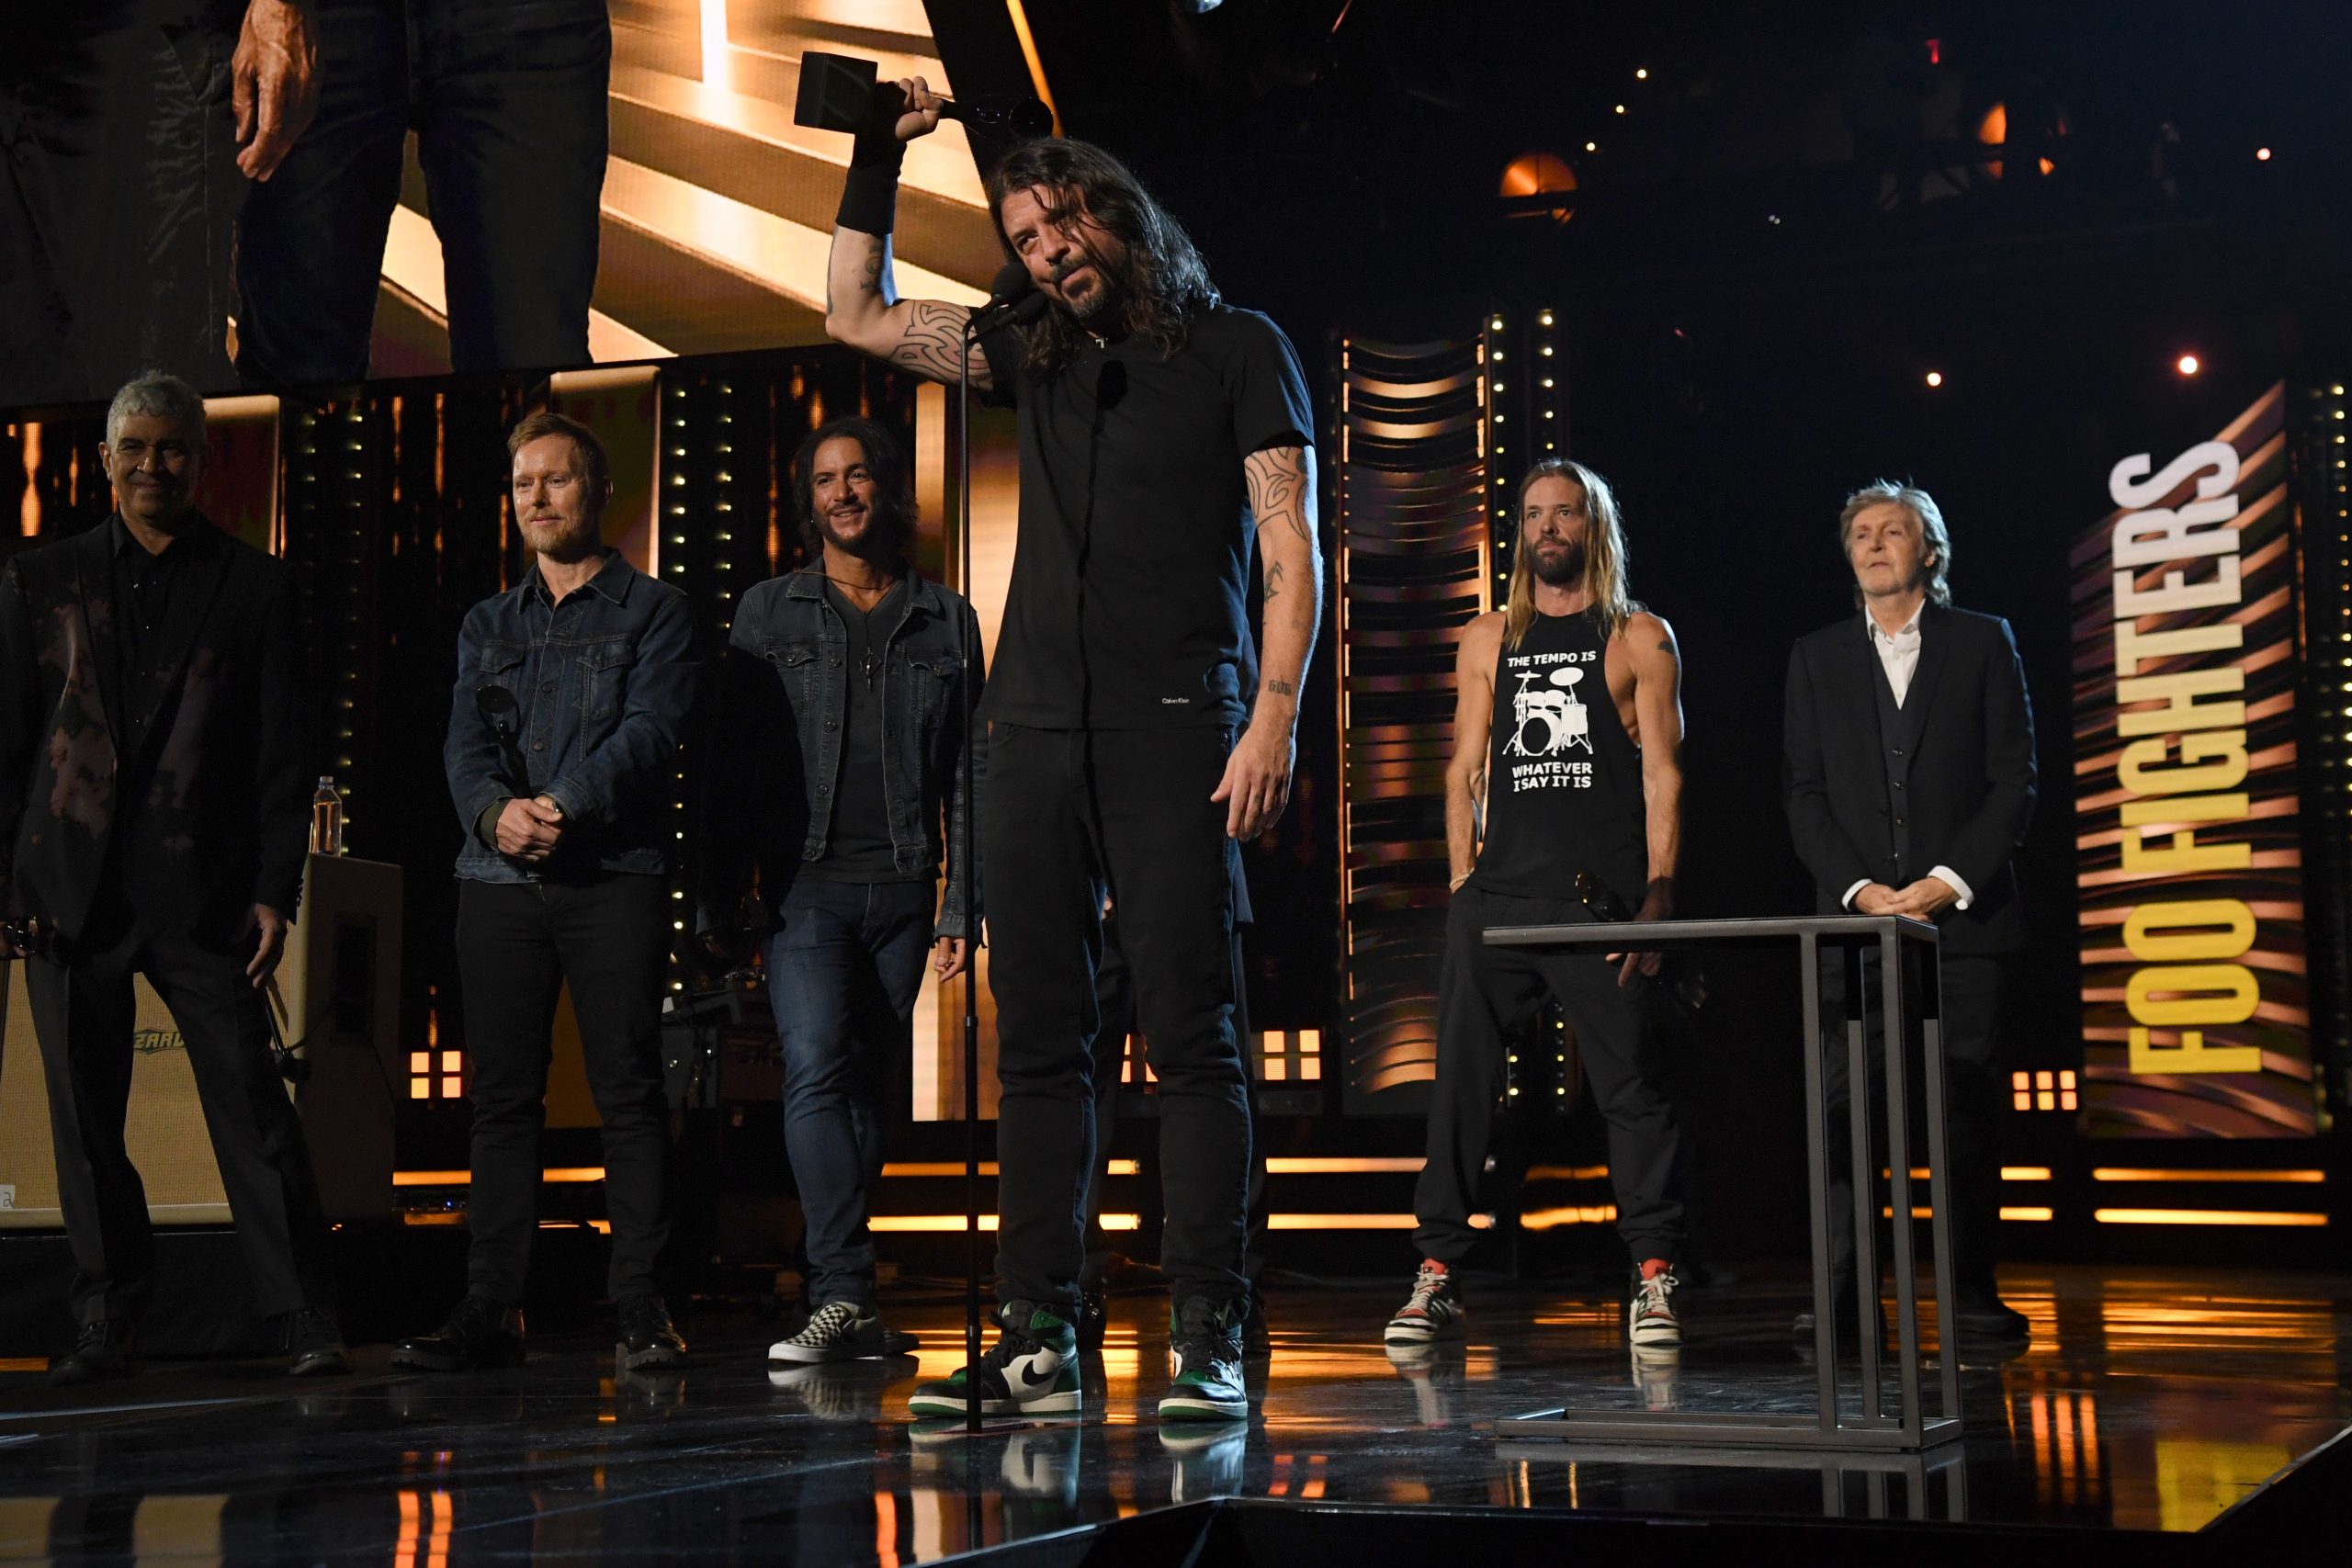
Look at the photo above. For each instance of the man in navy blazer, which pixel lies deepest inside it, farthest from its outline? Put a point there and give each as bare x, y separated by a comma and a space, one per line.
1909, 777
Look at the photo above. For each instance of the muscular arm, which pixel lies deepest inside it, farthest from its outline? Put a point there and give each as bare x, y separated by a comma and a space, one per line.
1657, 709
1256, 785
1474, 718
863, 310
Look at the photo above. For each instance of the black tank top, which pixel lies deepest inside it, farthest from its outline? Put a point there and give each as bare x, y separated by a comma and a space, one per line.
1564, 780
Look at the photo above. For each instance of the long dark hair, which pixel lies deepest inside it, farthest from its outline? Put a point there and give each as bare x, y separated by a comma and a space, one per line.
1162, 283
894, 487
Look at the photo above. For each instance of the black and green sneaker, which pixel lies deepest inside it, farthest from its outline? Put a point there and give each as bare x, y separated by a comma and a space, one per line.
1205, 1337
1031, 1371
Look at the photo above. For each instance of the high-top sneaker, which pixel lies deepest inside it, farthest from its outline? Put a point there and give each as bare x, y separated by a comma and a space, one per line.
1433, 1312
1031, 1371
1205, 1339
1650, 1322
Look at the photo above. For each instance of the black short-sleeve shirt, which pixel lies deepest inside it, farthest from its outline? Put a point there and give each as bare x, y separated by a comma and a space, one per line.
1128, 607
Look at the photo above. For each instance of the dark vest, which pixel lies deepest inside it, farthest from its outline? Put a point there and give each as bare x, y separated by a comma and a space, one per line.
1893, 738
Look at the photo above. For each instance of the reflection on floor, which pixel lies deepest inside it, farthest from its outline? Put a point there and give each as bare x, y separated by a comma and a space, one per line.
2146, 1401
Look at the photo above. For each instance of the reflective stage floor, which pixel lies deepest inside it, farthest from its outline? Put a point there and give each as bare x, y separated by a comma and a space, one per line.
2146, 1401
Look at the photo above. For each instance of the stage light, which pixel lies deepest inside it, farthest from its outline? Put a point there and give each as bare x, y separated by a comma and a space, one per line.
1621, 108
1641, 74
1545, 317
2188, 364
1935, 377
2262, 154
1592, 146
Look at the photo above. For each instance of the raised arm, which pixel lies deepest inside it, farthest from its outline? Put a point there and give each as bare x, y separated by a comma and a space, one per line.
1474, 718
1256, 785
862, 304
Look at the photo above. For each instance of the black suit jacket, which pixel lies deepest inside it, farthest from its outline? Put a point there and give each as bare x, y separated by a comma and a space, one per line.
209, 815
1970, 752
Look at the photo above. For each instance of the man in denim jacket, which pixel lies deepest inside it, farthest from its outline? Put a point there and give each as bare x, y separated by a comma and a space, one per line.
845, 711
572, 687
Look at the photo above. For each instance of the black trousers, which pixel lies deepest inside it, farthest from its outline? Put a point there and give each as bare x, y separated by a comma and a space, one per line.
119, 196
83, 1011
1115, 1000
518, 944
508, 104
1972, 986
1482, 991
1069, 816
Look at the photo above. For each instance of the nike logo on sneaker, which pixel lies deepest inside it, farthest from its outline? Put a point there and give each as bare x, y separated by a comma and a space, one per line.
1033, 1374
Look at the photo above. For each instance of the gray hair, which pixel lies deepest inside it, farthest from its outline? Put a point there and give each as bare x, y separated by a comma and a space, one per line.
1930, 516
157, 394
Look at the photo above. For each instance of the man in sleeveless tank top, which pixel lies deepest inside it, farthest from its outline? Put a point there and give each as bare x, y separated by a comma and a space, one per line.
1568, 726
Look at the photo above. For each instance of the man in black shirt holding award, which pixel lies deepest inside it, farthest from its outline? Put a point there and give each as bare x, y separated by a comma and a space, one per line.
1160, 429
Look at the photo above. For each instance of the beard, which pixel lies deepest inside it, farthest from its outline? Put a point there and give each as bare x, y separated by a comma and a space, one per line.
871, 542
1561, 567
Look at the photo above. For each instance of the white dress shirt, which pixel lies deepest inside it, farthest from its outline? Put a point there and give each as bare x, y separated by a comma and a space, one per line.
1898, 655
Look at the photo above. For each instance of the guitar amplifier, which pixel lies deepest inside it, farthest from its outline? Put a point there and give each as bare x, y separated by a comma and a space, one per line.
341, 981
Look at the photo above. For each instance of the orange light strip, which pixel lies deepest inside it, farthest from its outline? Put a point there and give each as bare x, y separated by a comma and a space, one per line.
1553, 1219
988, 1167
573, 1173
1366, 1165
928, 1222
1340, 1221
2025, 1173
2025, 1213
2113, 1173
1567, 1173
2203, 1217
1036, 66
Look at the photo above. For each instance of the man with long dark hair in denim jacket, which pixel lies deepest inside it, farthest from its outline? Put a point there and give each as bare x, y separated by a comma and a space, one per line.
572, 687
844, 718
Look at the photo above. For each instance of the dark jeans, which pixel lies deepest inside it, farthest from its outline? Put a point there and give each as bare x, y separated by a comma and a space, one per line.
518, 944
508, 104
118, 196
1972, 986
845, 966
1115, 1000
1070, 816
83, 1014
1482, 991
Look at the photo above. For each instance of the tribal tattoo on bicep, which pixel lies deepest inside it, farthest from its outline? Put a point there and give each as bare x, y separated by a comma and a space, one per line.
1277, 481
930, 343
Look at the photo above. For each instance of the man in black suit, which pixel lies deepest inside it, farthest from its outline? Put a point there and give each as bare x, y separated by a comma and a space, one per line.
153, 810
1909, 780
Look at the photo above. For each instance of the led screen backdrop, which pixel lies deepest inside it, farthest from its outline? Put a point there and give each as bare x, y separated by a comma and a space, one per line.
2197, 1017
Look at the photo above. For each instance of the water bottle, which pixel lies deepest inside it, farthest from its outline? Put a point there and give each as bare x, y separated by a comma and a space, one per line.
326, 817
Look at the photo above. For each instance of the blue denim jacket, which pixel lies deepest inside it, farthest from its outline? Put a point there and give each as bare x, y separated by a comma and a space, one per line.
786, 658
601, 684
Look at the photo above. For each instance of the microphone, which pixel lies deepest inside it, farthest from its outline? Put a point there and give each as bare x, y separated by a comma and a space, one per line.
1014, 299
837, 90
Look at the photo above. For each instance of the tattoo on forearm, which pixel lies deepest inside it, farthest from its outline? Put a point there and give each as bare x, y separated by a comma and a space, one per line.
869, 277
1280, 688
1278, 490
1274, 576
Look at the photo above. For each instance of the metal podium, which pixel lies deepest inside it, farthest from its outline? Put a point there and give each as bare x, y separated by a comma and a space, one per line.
1908, 992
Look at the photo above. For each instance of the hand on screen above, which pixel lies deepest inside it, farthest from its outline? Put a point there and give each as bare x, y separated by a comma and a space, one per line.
274, 84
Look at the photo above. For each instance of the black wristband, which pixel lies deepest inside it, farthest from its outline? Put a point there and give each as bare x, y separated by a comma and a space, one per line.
869, 198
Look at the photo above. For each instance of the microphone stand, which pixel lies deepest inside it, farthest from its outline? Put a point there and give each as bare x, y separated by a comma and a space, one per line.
968, 636
1014, 300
